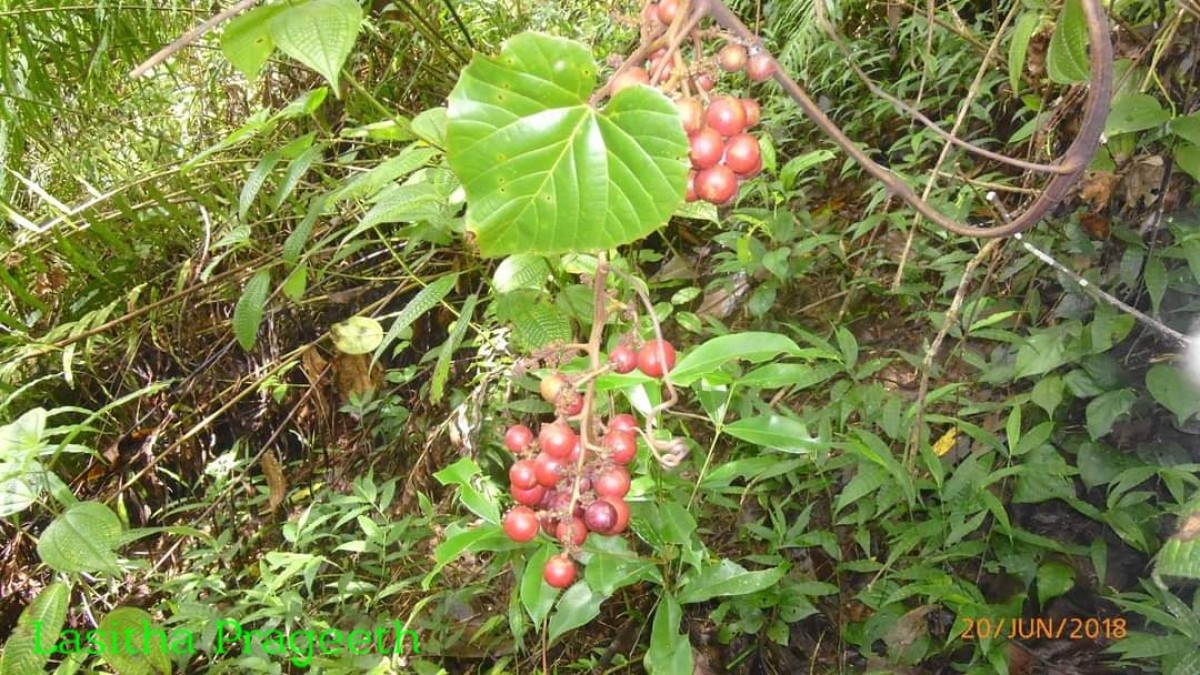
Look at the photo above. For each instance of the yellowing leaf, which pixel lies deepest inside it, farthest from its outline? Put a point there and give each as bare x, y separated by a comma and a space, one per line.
946, 443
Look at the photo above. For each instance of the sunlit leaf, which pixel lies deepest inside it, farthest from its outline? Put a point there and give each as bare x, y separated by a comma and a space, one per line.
544, 171
319, 34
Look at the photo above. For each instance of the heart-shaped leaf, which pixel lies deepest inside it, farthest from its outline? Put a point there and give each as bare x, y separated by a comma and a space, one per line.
83, 539
319, 34
247, 42
547, 173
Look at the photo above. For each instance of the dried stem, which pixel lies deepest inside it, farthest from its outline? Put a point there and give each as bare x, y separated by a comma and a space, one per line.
1074, 161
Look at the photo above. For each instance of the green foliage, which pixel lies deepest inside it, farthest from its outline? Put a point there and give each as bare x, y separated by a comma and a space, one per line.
318, 33
32, 642
544, 171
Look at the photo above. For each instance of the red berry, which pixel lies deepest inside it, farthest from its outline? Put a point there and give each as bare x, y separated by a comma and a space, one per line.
690, 195
717, 184
630, 78
753, 112
666, 69
518, 437
529, 497
549, 469
727, 115
622, 508
667, 11
521, 524
549, 524
705, 81
623, 359
760, 67
613, 482
705, 148
600, 517
742, 153
621, 444
657, 357
572, 404
732, 58
557, 439
523, 474
623, 422
559, 571
691, 112
573, 531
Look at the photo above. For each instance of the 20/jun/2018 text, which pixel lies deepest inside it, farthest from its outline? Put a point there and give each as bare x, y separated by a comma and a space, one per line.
1045, 628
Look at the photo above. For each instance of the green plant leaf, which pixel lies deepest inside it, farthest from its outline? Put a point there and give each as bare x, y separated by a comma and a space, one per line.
1066, 58
24, 654
296, 170
1047, 394
430, 126
613, 565
426, 299
753, 347
537, 597
579, 605
1187, 127
442, 370
246, 40
83, 539
255, 181
543, 170
1134, 112
248, 313
1054, 579
773, 431
135, 655
465, 473
1175, 392
521, 271
319, 34
669, 652
1104, 410
725, 579
536, 323
357, 335
1187, 157
1022, 32
795, 375
1180, 556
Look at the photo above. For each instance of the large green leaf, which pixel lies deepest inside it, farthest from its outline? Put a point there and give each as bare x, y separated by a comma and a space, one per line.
1187, 156
1022, 32
727, 578
319, 34
1134, 112
669, 651
246, 40
579, 605
1066, 58
753, 347
83, 539
141, 648
775, 432
544, 171
248, 312
1174, 391
32, 641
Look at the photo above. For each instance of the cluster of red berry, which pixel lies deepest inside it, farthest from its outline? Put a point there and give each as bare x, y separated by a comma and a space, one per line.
721, 151
564, 489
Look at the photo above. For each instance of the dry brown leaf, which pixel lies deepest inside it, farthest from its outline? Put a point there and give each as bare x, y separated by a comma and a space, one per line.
1097, 188
277, 484
1142, 181
1189, 529
354, 376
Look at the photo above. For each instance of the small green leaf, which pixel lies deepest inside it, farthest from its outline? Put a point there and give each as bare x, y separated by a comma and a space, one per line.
425, 299
430, 126
1022, 32
773, 431
753, 347
83, 539
521, 271
357, 335
255, 181
578, 606
726, 579
141, 652
546, 172
246, 40
24, 654
1175, 392
795, 375
296, 170
1054, 579
1134, 112
537, 597
319, 34
466, 474
248, 313
1187, 127
615, 566
669, 652
1047, 394
442, 370
1104, 410
1066, 58
296, 282
1188, 159
536, 323
1180, 556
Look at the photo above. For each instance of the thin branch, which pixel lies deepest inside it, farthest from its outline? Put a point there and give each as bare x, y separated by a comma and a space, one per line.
1076, 158
190, 37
